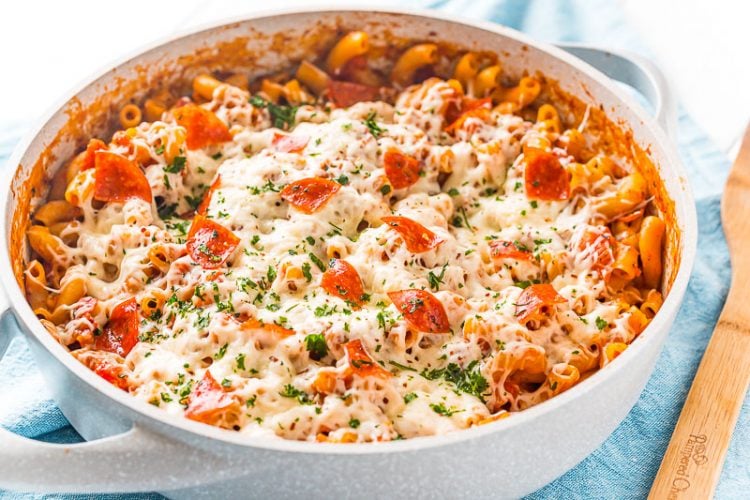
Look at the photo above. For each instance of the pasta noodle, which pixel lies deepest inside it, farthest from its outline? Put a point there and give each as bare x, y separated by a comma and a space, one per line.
130, 115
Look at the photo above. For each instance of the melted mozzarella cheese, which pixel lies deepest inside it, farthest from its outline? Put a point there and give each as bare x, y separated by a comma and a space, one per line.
469, 193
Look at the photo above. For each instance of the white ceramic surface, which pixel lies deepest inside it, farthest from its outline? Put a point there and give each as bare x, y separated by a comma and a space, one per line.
137, 447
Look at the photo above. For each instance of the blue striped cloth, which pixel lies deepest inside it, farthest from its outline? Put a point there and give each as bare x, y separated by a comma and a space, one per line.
625, 465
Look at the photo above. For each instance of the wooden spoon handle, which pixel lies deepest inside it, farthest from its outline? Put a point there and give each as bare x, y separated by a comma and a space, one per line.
695, 455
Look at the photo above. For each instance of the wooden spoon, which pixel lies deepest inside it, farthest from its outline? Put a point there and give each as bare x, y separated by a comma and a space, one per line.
695, 455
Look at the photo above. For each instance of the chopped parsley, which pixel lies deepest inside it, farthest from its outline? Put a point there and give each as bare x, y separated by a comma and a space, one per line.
290, 391
221, 352
402, 367
271, 274
324, 310
281, 116
314, 258
601, 324
354, 423
440, 409
372, 125
306, 271
240, 360
315, 344
409, 397
436, 280
178, 163
468, 380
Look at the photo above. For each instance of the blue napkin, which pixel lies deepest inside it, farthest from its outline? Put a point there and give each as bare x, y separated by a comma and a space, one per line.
625, 465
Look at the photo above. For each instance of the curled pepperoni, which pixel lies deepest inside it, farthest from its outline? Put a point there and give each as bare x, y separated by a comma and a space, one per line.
118, 179
417, 238
500, 249
120, 334
206, 201
207, 400
402, 170
342, 280
470, 108
209, 243
87, 158
597, 247
202, 126
545, 178
537, 302
345, 94
311, 194
360, 363
289, 143
112, 373
421, 310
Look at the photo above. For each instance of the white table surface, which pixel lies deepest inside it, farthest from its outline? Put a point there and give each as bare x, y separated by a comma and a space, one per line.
48, 47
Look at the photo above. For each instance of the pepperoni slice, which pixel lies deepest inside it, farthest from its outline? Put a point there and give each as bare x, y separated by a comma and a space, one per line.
536, 302
402, 170
342, 280
360, 363
417, 238
88, 156
508, 250
309, 195
120, 334
345, 94
112, 373
545, 178
206, 201
421, 310
209, 243
597, 247
207, 400
279, 331
289, 143
202, 126
118, 179
476, 108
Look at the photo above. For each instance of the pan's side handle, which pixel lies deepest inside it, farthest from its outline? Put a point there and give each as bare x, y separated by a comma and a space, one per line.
636, 71
136, 460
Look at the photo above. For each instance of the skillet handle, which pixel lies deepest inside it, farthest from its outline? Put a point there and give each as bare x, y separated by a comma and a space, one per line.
129, 462
636, 71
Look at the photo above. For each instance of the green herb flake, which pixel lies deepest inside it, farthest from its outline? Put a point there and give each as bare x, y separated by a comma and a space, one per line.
468, 380
316, 345
372, 125
282, 117
240, 360
221, 352
441, 409
178, 163
290, 391
601, 324
315, 260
